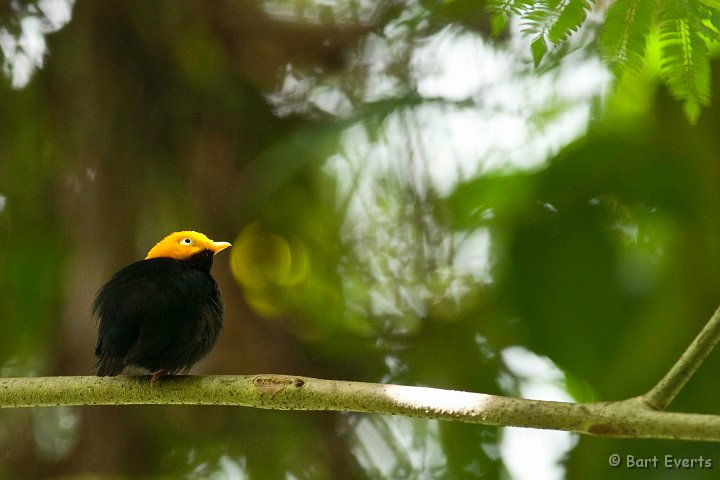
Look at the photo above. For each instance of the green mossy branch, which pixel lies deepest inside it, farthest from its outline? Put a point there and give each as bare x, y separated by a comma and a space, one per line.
633, 418
660, 396
638, 417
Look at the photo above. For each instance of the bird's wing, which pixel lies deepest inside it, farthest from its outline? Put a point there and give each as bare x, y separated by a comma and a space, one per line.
120, 306
181, 324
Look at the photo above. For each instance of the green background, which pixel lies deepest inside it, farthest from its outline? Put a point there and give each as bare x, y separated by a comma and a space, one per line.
572, 220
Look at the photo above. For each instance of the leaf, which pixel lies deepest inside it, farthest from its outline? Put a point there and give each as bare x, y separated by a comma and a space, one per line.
518, 7
498, 22
571, 18
692, 111
624, 36
710, 29
538, 49
685, 64
555, 20
712, 3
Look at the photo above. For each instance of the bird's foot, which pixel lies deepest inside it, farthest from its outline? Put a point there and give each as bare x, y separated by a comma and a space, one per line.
157, 375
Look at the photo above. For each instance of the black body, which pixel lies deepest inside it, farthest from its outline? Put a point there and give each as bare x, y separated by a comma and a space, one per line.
160, 314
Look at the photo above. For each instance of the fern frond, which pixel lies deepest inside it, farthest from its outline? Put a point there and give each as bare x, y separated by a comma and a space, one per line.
555, 20
685, 64
686, 27
715, 4
570, 20
624, 36
508, 7
551, 22
710, 28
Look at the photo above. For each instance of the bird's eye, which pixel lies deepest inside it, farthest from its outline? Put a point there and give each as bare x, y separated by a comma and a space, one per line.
186, 241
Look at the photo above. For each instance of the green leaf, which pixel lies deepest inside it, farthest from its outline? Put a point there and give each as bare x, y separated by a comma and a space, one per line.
710, 29
712, 3
624, 36
685, 64
692, 111
498, 23
555, 20
538, 49
518, 7
570, 19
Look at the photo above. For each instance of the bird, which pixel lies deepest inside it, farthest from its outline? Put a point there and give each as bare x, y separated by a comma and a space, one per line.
162, 314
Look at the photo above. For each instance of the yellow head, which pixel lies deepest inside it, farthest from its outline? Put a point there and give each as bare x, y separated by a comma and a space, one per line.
183, 245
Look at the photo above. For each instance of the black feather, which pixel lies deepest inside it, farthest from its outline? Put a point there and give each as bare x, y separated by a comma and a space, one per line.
160, 314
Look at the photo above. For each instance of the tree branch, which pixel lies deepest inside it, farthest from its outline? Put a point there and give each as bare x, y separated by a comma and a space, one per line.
638, 417
631, 418
660, 396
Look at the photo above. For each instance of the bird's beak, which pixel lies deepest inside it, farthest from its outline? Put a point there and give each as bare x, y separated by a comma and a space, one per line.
216, 247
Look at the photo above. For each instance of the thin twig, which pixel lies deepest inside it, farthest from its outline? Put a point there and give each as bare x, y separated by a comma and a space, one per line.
629, 418
660, 396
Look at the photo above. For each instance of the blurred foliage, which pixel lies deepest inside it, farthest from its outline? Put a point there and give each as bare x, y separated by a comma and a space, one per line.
410, 200
686, 28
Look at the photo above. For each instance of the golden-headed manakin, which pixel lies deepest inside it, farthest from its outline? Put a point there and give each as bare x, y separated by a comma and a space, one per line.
163, 313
